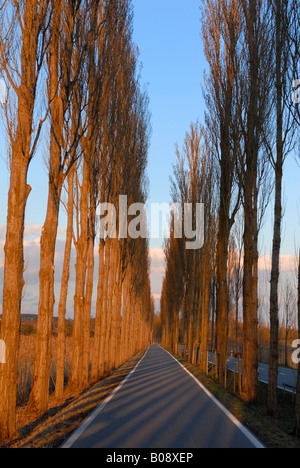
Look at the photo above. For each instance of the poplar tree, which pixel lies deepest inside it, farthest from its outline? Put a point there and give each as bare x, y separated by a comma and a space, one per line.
24, 40
186, 293
284, 133
66, 90
257, 80
221, 30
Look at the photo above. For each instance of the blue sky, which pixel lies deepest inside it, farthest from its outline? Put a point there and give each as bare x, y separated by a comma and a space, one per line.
167, 33
171, 50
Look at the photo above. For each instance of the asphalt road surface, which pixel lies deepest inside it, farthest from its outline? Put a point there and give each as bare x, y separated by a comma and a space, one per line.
161, 405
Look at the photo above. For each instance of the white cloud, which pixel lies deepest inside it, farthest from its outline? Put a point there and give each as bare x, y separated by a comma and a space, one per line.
157, 273
156, 297
157, 262
33, 230
288, 263
157, 253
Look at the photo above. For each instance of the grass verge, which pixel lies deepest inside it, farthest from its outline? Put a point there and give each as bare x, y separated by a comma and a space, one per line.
273, 433
54, 428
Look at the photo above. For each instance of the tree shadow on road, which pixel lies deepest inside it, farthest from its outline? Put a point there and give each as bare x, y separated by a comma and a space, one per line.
55, 426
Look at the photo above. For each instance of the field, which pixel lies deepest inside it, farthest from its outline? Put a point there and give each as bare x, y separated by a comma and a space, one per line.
25, 419
25, 367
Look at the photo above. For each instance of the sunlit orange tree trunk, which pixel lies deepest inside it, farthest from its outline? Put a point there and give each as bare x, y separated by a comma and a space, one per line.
65, 62
22, 45
62, 307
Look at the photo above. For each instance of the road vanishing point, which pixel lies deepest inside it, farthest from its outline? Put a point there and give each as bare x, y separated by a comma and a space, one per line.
161, 405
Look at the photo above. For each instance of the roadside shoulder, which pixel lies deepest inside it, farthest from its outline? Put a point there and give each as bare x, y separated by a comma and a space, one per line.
53, 432
249, 415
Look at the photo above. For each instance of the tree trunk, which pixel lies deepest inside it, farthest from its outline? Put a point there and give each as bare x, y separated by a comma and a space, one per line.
118, 355
41, 373
75, 379
19, 190
223, 299
12, 293
99, 322
274, 307
191, 340
114, 283
87, 310
111, 283
204, 322
255, 114
237, 299
103, 357
250, 358
62, 308
213, 340
286, 335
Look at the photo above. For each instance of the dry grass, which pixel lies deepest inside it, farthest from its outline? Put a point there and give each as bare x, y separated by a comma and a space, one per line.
24, 418
274, 433
25, 366
53, 428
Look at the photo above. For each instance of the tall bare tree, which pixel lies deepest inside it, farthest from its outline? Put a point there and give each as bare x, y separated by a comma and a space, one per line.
256, 79
295, 105
66, 94
187, 284
120, 158
62, 307
284, 126
23, 44
221, 31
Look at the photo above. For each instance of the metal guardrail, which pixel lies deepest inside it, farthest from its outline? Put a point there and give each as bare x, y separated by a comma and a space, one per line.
235, 364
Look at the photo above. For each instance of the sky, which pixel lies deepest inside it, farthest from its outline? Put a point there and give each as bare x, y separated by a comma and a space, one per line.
167, 33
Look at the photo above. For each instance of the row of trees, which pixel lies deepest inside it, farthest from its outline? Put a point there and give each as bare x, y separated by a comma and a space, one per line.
234, 164
81, 57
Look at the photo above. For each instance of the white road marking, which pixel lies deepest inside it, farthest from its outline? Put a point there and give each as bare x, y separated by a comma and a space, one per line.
83, 427
257, 444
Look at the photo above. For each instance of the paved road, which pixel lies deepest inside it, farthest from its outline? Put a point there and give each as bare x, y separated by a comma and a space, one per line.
286, 376
161, 405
